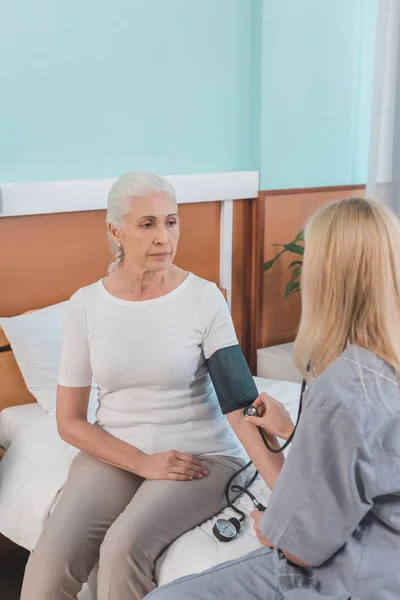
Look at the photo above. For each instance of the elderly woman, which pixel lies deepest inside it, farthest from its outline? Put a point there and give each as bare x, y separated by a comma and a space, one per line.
157, 460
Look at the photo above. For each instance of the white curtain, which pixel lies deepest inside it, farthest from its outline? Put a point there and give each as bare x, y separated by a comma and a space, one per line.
384, 160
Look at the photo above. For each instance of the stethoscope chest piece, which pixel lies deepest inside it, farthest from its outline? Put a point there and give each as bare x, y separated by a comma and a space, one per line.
226, 530
250, 411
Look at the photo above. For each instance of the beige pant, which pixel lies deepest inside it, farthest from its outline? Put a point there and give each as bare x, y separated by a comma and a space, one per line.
108, 515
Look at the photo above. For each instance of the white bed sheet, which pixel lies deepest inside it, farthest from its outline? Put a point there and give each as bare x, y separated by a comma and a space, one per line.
15, 418
35, 467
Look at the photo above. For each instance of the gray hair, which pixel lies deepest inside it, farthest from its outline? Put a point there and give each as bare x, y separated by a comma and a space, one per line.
128, 187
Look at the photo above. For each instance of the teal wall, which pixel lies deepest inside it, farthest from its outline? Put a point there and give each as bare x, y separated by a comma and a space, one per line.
317, 62
93, 88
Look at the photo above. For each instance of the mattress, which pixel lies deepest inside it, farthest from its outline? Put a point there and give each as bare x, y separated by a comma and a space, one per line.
16, 418
35, 466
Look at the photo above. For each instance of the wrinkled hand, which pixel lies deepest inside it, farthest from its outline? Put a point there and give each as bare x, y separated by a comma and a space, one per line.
173, 465
256, 515
273, 417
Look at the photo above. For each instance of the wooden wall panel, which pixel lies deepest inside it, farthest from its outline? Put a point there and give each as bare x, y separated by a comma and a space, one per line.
285, 215
13, 390
45, 258
247, 262
198, 249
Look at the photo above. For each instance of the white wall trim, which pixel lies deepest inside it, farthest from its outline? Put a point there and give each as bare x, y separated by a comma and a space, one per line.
69, 196
226, 249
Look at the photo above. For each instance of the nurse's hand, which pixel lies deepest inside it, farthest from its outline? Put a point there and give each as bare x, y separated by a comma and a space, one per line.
272, 417
174, 465
256, 515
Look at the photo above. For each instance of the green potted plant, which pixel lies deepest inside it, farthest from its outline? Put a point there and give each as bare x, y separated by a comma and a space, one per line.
297, 248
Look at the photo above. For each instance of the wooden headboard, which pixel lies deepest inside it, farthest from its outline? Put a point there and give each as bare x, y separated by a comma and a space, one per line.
44, 259
13, 390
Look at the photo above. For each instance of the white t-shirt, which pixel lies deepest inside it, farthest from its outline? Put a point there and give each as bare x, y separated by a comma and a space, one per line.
149, 360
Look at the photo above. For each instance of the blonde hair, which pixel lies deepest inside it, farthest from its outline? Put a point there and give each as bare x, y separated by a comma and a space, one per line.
350, 285
128, 187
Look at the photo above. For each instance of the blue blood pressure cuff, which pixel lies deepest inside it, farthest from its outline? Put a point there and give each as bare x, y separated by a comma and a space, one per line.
232, 379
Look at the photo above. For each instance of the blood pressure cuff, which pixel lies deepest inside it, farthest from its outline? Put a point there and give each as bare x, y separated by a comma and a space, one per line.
232, 379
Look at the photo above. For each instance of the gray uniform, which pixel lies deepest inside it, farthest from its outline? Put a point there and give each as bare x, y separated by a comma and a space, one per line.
336, 504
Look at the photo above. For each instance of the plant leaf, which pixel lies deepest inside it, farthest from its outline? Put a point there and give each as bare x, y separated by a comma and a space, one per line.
297, 272
270, 263
295, 263
288, 290
300, 237
296, 287
294, 248
292, 286
289, 286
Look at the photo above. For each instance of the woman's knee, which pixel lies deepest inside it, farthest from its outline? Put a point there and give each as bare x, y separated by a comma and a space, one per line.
44, 577
56, 568
124, 549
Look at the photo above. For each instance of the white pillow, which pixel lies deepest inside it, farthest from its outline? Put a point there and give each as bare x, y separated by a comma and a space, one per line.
36, 340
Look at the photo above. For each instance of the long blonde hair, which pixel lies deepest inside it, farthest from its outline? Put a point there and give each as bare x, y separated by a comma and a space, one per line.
350, 285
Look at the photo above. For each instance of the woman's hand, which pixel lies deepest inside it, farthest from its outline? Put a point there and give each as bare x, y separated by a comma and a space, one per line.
256, 515
273, 417
172, 464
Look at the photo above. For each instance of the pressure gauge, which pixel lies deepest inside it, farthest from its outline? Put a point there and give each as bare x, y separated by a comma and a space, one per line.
226, 529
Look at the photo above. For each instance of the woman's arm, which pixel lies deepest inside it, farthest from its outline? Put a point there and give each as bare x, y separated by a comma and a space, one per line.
272, 417
269, 465
233, 382
73, 427
256, 515
327, 484
75, 376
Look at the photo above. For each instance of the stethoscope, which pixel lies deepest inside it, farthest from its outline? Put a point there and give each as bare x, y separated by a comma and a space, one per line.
225, 530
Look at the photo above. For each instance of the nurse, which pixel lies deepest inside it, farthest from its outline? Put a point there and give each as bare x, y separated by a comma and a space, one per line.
332, 526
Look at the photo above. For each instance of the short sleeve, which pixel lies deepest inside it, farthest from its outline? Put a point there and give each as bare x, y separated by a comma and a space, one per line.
75, 369
227, 366
219, 331
326, 485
